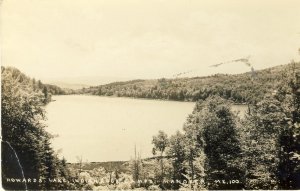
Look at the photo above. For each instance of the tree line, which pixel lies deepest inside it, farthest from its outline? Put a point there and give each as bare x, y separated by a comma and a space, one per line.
240, 88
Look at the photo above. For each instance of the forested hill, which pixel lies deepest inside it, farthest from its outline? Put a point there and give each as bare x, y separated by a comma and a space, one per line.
46, 90
240, 88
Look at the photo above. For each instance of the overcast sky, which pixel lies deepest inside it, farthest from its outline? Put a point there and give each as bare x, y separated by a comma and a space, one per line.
56, 39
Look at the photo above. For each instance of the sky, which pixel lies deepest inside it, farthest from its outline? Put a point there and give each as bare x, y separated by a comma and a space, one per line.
129, 39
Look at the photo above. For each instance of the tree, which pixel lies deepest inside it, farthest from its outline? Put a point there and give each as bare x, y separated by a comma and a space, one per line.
137, 170
47, 96
160, 144
261, 135
271, 134
23, 131
194, 144
289, 165
221, 143
177, 151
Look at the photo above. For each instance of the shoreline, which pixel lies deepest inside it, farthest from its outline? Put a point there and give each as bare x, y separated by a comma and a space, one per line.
137, 98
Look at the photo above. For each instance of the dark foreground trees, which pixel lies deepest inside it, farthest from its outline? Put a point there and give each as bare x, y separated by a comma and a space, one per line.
26, 151
221, 145
261, 146
271, 138
208, 151
218, 150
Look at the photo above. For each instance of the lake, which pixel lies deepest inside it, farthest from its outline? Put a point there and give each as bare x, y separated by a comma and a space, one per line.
108, 128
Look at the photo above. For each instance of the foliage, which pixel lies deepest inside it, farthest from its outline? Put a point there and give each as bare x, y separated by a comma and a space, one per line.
25, 135
289, 166
177, 151
239, 88
221, 144
208, 150
261, 151
160, 143
261, 146
271, 138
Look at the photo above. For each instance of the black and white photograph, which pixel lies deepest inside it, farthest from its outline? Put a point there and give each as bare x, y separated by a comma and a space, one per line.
150, 94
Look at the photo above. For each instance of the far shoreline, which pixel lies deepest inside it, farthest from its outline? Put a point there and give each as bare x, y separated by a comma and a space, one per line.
137, 98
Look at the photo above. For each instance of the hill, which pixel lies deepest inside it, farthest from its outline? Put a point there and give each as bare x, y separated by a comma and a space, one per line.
240, 88
37, 86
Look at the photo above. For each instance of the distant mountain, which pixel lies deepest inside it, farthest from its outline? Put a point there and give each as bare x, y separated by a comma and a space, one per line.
70, 85
240, 88
83, 81
36, 85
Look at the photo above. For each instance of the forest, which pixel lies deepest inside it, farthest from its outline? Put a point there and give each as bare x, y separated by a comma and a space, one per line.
215, 149
239, 88
26, 145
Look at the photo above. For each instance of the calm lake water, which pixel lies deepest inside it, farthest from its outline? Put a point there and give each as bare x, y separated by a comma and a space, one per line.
107, 128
